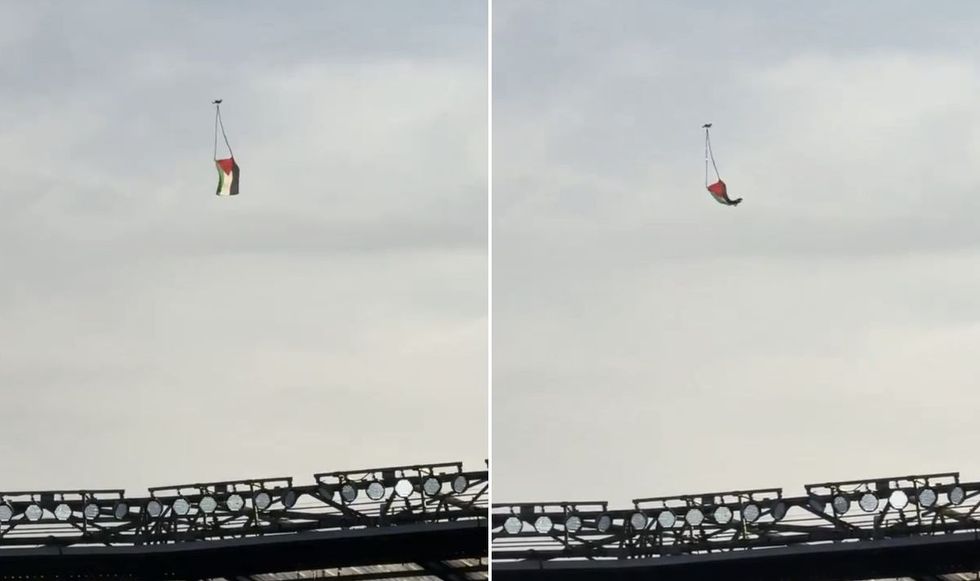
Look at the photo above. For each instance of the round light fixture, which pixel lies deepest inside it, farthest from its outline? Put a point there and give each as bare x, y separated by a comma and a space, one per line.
235, 502
779, 510
404, 488
375, 490
6, 513
927, 497
262, 500
898, 499
512, 525
543, 525
666, 519
154, 508
694, 517
182, 507
289, 498
34, 513
956, 495
638, 521
209, 504
603, 523
348, 493
120, 510
91, 511
431, 486
573, 524
751, 513
723, 515
62, 512
460, 483
868, 502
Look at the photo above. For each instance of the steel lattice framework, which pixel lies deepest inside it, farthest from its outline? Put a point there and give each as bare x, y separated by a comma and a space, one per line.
836, 530
430, 513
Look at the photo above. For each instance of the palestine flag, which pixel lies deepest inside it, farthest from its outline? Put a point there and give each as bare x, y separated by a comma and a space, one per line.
227, 177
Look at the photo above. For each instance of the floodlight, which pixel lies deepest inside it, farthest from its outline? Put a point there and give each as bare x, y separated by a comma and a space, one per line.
816, 504
460, 483
91, 511
603, 523
723, 515
666, 519
375, 490
120, 510
868, 502
513, 525
543, 524
779, 510
573, 524
181, 506
34, 513
956, 495
927, 497
6, 513
235, 502
209, 504
841, 504
348, 493
751, 512
898, 499
154, 508
262, 500
638, 521
289, 498
62, 512
432, 486
694, 517
404, 488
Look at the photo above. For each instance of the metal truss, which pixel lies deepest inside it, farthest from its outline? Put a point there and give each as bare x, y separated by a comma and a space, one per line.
351, 509
736, 524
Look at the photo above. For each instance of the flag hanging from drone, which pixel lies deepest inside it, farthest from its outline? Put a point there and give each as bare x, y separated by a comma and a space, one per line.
228, 171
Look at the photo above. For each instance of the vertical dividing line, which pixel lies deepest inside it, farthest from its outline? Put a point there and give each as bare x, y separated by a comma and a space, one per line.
489, 278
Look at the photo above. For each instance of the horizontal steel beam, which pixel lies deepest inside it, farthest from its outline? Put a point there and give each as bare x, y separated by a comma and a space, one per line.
434, 541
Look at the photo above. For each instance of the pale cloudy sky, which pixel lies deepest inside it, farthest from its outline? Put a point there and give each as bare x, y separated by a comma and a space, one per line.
649, 341
332, 316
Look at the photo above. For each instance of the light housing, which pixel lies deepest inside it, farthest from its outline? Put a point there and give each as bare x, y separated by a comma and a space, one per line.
543, 524
348, 493
404, 488
868, 502
898, 499
262, 500
927, 497
431, 486
722, 515
33, 512
638, 521
375, 490
235, 502
208, 504
181, 507
154, 508
513, 525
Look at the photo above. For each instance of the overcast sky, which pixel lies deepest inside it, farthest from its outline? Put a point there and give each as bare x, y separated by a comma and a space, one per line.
332, 316
650, 341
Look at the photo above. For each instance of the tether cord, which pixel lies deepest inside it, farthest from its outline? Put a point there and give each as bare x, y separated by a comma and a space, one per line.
708, 154
219, 123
